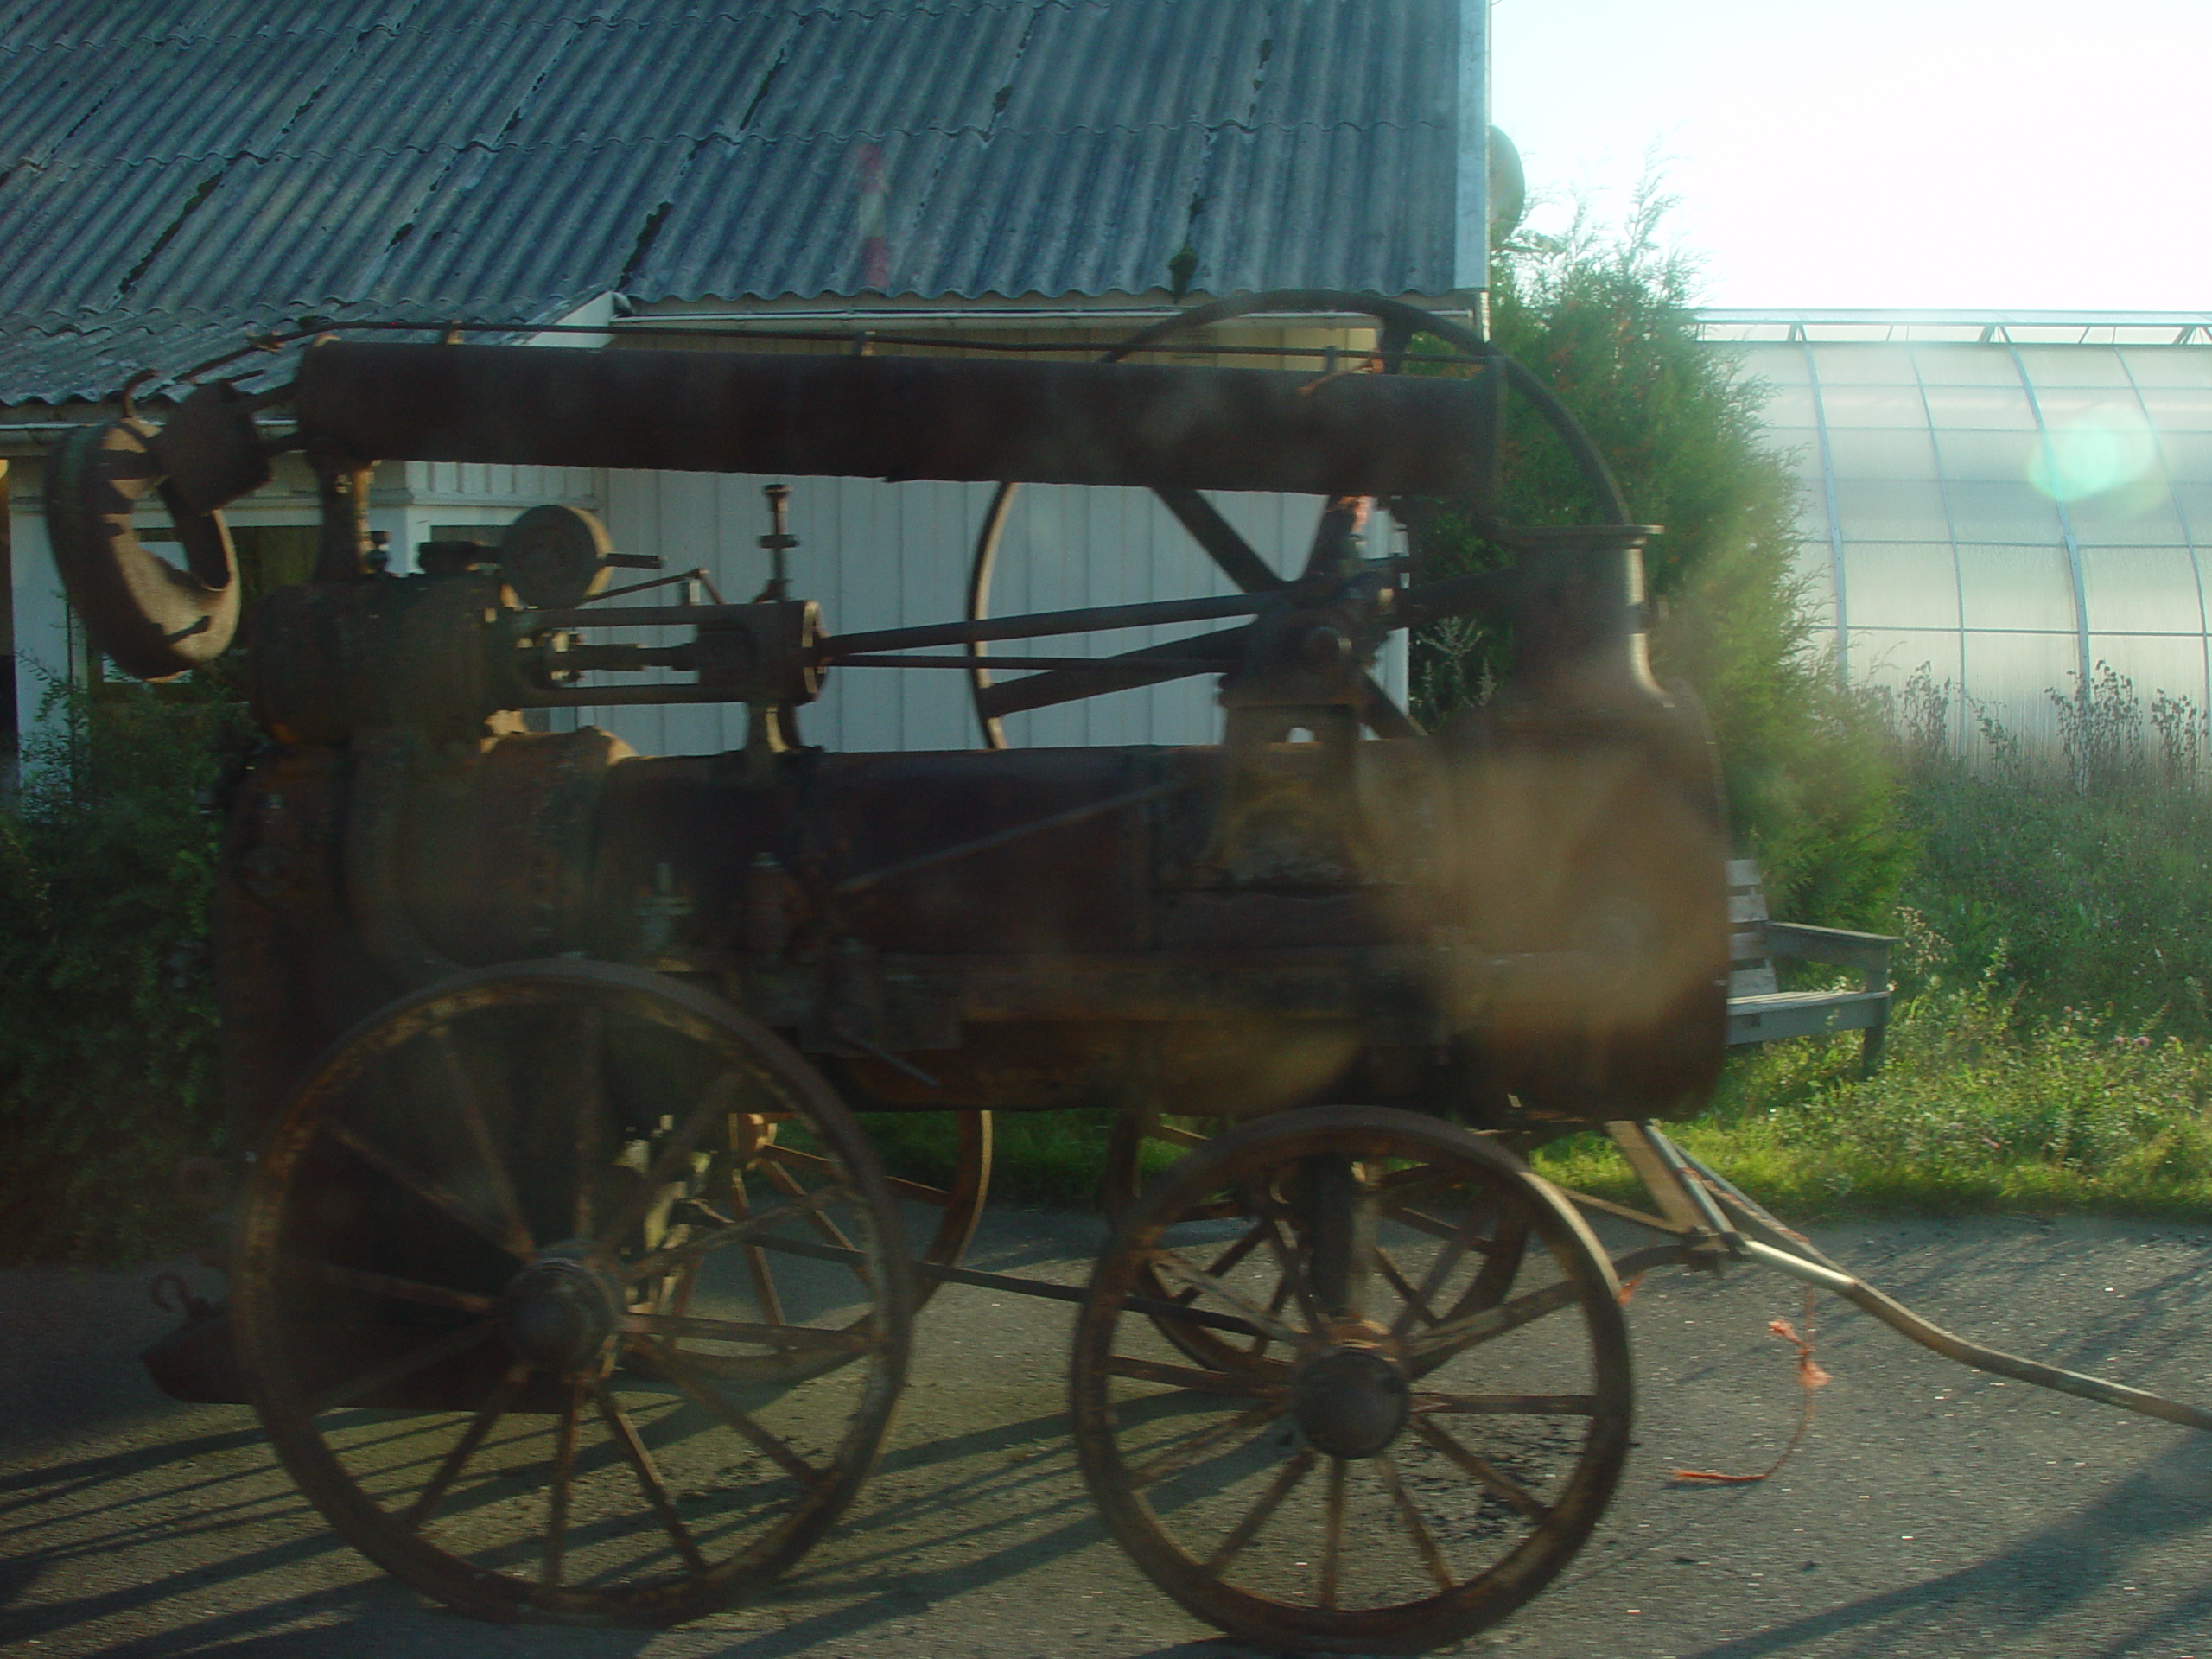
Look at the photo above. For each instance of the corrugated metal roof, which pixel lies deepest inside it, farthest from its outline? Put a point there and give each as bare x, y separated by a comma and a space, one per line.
169, 165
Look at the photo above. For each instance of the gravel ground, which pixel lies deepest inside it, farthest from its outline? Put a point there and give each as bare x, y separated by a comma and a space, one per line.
1931, 1510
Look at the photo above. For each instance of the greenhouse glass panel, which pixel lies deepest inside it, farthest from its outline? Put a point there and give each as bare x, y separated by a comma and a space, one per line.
2167, 365
2001, 513
1987, 457
2172, 664
2098, 405
1864, 365
1897, 405
1877, 510
2016, 588
1789, 406
1965, 365
1882, 452
2141, 513
2051, 366
2188, 455
1888, 585
1890, 656
2011, 675
2194, 501
1777, 363
1980, 406
2141, 590
2179, 409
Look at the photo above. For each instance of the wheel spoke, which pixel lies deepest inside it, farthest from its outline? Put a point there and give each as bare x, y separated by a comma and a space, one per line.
1421, 1224
1169, 1262
418, 1512
1424, 1540
1332, 1533
398, 1371
674, 1158
756, 1259
1226, 1261
556, 1491
383, 1284
431, 1192
1473, 1328
784, 1336
1256, 1517
649, 1481
1415, 1303
681, 1372
1189, 1376
786, 1182
1439, 1272
586, 1078
1261, 1340
751, 1226
1223, 545
1505, 1405
1490, 1478
1184, 1453
463, 1088
1294, 1275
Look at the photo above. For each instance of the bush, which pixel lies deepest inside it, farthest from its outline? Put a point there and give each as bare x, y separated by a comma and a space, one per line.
107, 1038
1809, 780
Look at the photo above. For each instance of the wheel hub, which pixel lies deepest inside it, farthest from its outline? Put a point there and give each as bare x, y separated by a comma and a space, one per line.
560, 1312
1349, 1401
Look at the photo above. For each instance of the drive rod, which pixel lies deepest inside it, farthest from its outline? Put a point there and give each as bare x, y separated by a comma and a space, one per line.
1790, 1254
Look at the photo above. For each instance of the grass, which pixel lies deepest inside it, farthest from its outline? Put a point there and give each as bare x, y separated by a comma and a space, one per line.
1977, 1107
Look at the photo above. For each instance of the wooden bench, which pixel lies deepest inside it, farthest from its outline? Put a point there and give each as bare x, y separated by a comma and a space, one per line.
1760, 1012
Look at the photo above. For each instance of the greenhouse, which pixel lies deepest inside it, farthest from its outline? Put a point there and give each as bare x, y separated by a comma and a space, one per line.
2021, 505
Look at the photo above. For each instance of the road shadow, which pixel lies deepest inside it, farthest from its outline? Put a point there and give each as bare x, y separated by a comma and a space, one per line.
2018, 1592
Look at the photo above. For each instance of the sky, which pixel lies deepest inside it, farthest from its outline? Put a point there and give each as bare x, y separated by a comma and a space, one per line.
1921, 153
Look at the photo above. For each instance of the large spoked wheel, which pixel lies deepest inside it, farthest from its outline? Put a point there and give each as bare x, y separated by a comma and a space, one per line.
494, 1303
1400, 1479
1493, 1246
1397, 326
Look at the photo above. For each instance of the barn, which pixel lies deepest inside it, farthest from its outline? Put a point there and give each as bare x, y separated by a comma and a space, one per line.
180, 179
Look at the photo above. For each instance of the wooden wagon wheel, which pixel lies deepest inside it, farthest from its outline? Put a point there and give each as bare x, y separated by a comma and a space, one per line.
452, 1298
770, 1159
1497, 1247
1405, 1479
1399, 324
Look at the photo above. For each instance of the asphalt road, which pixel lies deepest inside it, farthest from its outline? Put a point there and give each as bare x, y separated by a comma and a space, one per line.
1931, 1510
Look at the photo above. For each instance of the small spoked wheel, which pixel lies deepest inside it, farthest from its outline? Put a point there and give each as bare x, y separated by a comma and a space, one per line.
772, 1159
1494, 1243
499, 1301
1408, 1469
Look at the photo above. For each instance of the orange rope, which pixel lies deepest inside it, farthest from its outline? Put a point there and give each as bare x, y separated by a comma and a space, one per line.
1810, 1378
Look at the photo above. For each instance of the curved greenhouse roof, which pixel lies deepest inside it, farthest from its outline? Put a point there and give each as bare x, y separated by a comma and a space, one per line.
2010, 501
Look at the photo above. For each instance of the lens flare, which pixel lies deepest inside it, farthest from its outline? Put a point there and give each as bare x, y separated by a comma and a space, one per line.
2101, 449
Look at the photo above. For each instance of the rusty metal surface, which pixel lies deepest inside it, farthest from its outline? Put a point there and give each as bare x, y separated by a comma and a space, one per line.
900, 417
